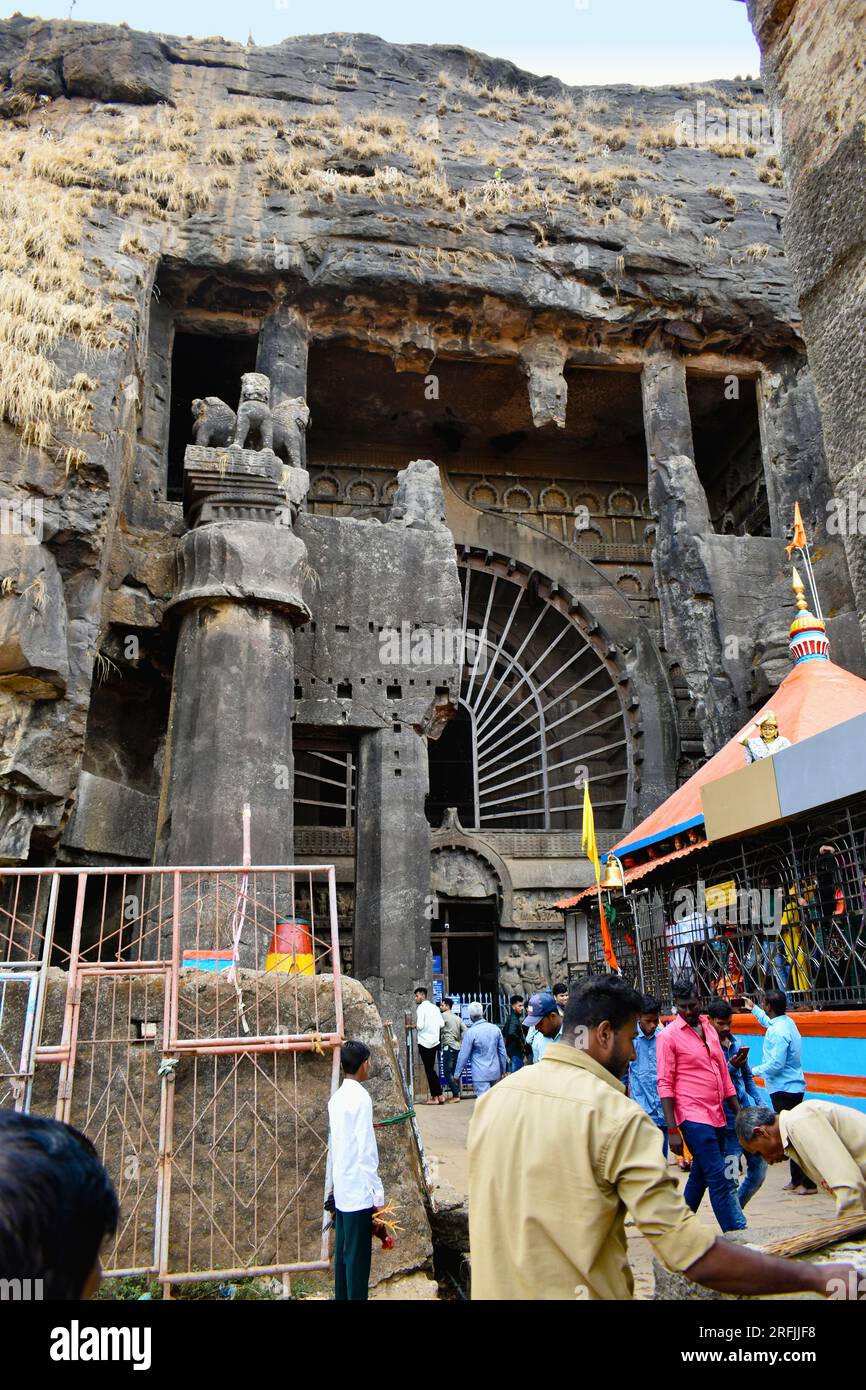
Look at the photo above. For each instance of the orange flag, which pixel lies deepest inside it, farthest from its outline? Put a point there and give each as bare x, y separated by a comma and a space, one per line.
606, 943
800, 540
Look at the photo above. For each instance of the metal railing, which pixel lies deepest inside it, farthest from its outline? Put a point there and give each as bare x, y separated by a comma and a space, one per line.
784, 909
185, 1037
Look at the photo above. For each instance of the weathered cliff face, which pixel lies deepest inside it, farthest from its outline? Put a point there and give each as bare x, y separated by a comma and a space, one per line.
417, 201
813, 58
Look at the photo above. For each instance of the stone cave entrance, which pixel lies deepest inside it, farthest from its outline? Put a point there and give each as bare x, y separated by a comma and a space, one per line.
728, 456
464, 940
202, 365
472, 416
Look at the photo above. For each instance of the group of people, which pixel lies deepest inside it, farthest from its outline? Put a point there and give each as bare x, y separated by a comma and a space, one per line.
559, 1153
490, 1052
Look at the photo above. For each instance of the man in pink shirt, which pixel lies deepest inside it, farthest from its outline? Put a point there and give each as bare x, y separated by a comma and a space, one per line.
694, 1083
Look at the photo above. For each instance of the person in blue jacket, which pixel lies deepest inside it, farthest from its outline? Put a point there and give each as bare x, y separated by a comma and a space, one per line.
642, 1075
781, 1069
737, 1057
484, 1048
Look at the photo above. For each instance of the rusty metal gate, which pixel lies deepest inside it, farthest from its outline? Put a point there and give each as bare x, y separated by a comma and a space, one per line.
189, 1022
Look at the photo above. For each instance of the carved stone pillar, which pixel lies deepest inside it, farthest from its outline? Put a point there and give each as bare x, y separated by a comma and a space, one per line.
392, 873
239, 598
667, 421
282, 356
543, 363
683, 557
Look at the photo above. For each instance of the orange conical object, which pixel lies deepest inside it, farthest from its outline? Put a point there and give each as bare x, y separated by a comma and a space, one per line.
291, 948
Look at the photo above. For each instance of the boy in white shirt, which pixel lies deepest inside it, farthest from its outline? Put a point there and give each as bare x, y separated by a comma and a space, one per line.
354, 1163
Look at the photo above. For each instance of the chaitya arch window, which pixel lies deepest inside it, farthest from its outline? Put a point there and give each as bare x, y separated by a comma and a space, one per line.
540, 712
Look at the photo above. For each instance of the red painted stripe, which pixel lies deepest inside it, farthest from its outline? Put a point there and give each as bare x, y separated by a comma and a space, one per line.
849, 1023
823, 1083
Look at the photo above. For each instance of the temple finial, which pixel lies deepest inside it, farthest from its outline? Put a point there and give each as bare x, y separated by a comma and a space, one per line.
799, 590
808, 634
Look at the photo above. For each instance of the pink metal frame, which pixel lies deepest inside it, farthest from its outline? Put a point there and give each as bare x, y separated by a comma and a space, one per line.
215, 907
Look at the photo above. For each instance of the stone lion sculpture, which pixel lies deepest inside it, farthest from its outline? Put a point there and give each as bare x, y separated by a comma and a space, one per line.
291, 418
254, 412
213, 422
418, 500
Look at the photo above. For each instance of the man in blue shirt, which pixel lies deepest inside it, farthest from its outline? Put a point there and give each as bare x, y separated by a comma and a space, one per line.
545, 1020
642, 1075
483, 1045
781, 1069
736, 1055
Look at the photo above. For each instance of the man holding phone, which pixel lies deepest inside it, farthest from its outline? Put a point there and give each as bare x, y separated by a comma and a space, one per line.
737, 1056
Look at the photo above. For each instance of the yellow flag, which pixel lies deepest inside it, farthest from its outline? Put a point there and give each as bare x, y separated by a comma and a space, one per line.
800, 539
587, 844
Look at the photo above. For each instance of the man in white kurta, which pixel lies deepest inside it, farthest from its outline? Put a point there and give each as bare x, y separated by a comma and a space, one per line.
354, 1164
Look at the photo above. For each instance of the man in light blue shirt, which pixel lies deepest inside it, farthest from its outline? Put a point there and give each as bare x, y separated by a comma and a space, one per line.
544, 1018
643, 1083
484, 1047
781, 1069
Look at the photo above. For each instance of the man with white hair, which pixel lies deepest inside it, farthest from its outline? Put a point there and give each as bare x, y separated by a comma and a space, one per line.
827, 1141
483, 1047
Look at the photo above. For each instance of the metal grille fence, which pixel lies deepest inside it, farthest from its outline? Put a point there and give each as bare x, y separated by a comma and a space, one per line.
785, 909
193, 1035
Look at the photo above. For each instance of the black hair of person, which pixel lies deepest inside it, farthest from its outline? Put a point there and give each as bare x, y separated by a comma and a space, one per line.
353, 1055
57, 1204
777, 1001
684, 989
599, 999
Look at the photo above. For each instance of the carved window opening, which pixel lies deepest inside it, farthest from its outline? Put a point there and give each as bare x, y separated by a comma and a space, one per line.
324, 781
546, 710
202, 365
452, 771
728, 455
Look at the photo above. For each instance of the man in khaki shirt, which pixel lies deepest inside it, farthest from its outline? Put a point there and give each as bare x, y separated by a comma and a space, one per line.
828, 1141
558, 1154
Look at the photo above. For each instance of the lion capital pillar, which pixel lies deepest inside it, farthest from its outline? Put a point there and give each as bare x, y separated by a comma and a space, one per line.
239, 597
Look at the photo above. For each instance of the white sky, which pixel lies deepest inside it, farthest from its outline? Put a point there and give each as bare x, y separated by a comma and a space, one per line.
580, 41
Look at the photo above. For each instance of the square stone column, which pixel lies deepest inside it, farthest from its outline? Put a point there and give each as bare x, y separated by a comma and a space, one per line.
392, 869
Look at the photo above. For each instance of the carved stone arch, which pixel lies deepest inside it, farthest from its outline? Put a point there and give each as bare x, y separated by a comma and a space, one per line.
483, 494
519, 499
621, 502
629, 582
325, 487
362, 490
498, 533
468, 854
588, 500
554, 497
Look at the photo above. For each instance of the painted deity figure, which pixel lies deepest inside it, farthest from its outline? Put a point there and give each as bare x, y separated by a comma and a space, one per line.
768, 742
